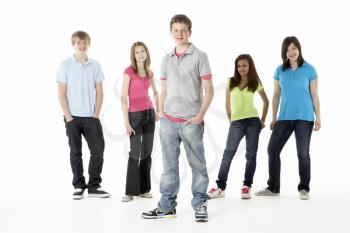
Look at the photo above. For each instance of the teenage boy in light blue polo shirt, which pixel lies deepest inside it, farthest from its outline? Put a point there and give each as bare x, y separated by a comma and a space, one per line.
185, 72
80, 94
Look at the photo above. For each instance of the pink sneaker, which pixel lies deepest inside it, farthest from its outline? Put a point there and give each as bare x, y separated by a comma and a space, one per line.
216, 193
245, 192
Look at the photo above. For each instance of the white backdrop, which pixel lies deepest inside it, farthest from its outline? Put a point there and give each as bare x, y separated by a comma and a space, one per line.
35, 38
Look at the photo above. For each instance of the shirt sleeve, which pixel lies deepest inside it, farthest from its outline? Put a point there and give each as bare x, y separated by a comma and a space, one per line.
276, 76
61, 75
99, 74
260, 87
163, 74
228, 83
313, 73
204, 67
129, 72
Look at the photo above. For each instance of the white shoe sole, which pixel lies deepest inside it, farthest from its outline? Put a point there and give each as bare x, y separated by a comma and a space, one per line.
127, 199
245, 196
158, 217
216, 196
146, 196
304, 198
99, 195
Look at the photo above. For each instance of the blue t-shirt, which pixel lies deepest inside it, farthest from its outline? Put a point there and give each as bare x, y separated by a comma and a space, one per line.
295, 101
81, 80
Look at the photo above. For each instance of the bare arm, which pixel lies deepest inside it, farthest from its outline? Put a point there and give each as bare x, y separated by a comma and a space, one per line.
62, 97
208, 97
265, 107
155, 97
316, 102
99, 99
162, 97
275, 102
228, 103
124, 104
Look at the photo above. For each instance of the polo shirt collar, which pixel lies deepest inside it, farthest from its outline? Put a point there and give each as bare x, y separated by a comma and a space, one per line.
188, 51
88, 61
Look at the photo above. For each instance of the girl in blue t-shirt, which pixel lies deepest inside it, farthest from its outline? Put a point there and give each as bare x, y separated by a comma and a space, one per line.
295, 91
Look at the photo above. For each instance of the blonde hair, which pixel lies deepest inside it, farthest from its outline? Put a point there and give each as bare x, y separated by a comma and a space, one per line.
80, 35
147, 62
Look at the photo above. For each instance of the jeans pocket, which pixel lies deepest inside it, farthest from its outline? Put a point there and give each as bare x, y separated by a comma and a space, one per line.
135, 121
153, 115
69, 123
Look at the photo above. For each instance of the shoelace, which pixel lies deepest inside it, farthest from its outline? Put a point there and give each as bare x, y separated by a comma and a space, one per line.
201, 210
156, 211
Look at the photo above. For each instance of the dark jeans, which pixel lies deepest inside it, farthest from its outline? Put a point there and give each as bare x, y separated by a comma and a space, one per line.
91, 129
250, 128
138, 177
280, 135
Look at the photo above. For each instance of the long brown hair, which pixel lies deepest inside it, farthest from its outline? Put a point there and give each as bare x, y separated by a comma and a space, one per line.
253, 78
147, 62
285, 44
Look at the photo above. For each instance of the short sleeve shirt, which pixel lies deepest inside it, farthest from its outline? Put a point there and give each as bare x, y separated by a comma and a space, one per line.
139, 99
184, 77
296, 101
242, 102
81, 80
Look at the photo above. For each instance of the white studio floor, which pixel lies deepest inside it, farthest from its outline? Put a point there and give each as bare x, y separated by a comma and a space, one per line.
321, 214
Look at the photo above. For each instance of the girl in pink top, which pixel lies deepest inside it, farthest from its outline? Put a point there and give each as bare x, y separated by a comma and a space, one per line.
139, 119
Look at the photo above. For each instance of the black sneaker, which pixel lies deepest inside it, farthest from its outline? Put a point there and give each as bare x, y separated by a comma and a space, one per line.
78, 194
99, 192
156, 213
201, 214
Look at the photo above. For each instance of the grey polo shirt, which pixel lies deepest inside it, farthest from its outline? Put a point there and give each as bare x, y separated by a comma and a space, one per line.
184, 82
81, 82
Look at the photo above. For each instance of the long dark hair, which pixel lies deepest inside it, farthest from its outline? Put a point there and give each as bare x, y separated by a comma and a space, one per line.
285, 44
253, 78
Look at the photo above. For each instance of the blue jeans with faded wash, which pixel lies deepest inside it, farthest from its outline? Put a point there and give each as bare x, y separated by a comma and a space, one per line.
171, 136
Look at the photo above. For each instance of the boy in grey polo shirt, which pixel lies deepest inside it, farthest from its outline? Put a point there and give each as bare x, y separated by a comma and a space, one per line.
80, 94
185, 72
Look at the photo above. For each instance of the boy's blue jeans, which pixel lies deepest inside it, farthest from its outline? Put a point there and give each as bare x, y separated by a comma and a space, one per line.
171, 135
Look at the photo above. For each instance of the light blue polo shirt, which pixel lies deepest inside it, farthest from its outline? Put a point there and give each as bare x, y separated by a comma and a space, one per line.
296, 101
81, 80
184, 77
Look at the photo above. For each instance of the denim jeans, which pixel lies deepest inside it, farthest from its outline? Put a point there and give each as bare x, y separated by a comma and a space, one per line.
138, 177
250, 128
91, 129
280, 135
171, 135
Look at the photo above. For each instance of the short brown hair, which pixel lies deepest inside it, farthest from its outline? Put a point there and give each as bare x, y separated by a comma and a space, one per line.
181, 19
80, 35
